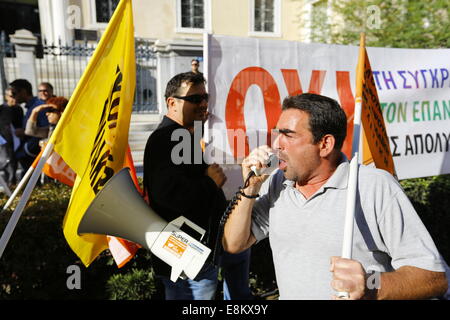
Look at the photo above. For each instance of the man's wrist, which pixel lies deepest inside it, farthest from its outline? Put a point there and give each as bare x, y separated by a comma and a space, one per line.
251, 190
372, 285
248, 196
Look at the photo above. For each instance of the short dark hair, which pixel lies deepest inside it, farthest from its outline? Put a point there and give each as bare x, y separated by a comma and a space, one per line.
196, 60
175, 83
22, 84
325, 116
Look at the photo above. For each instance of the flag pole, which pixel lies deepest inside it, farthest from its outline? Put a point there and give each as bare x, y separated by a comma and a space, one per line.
353, 168
206, 75
18, 188
24, 199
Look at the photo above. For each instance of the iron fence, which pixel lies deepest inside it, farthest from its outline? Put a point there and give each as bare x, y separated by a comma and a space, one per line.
145, 99
63, 65
8, 64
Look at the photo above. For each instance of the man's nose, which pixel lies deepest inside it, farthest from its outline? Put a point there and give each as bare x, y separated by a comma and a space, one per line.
203, 103
275, 136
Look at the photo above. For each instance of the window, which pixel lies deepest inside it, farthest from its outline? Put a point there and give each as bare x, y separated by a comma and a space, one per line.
265, 17
193, 16
104, 10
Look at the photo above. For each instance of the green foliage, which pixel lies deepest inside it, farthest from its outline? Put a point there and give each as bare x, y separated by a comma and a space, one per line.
391, 23
431, 199
34, 264
262, 272
134, 285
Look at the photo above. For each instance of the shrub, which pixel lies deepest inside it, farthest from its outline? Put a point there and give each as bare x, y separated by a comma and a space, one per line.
431, 198
34, 264
137, 284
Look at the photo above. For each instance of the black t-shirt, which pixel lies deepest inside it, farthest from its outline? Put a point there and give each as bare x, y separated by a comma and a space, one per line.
11, 115
180, 189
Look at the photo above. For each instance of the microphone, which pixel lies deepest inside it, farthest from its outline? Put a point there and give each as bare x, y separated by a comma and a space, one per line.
272, 164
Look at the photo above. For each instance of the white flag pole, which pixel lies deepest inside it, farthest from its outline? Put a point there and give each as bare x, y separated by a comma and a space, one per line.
352, 185
18, 188
352, 188
206, 75
23, 201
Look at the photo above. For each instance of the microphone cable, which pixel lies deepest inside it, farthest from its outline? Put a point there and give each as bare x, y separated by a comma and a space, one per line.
233, 202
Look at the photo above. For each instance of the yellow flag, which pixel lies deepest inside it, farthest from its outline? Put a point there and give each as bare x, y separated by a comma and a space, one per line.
92, 134
375, 139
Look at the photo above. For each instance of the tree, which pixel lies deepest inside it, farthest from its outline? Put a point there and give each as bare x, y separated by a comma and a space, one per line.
387, 23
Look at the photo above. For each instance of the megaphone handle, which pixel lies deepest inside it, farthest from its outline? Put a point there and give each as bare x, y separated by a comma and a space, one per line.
181, 219
176, 273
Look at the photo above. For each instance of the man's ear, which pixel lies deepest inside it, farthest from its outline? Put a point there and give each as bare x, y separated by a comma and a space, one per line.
170, 101
326, 145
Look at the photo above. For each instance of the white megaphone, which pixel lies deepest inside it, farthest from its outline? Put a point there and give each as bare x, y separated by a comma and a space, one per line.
119, 210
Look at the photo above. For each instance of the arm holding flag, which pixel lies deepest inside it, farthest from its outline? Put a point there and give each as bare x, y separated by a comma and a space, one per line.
412, 277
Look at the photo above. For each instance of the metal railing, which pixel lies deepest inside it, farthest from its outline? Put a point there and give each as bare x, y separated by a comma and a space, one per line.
8, 65
62, 65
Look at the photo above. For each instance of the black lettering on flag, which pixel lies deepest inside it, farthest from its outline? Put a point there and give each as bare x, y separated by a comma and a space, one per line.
101, 158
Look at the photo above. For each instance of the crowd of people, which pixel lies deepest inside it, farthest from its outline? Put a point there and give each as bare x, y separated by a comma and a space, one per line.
26, 121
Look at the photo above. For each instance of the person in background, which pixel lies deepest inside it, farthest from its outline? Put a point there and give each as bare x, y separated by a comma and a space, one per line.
45, 91
11, 118
15, 111
29, 147
195, 64
53, 110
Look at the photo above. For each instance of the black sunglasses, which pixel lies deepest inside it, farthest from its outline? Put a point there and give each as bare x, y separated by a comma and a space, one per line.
194, 98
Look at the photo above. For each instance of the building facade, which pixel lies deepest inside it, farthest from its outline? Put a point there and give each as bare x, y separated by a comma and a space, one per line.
173, 30
55, 38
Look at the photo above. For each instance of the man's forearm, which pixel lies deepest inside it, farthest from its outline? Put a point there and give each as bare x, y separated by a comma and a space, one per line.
237, 231
411, 283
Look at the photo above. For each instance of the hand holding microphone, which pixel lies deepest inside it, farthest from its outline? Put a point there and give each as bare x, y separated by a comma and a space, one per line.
260, 163
269, 166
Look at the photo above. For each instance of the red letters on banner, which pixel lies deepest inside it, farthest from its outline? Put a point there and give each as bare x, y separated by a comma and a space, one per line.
234, 112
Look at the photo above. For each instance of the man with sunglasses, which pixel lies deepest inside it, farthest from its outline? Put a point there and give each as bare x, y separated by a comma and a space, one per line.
45, 91
191, 189
195, 64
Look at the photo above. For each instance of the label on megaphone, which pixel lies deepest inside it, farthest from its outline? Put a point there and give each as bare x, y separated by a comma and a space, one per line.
180, 250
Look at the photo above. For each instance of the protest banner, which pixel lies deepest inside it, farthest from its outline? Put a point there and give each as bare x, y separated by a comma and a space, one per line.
248, 78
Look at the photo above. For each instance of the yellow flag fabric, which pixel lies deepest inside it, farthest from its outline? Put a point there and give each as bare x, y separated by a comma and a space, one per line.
92, 134
375, 139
